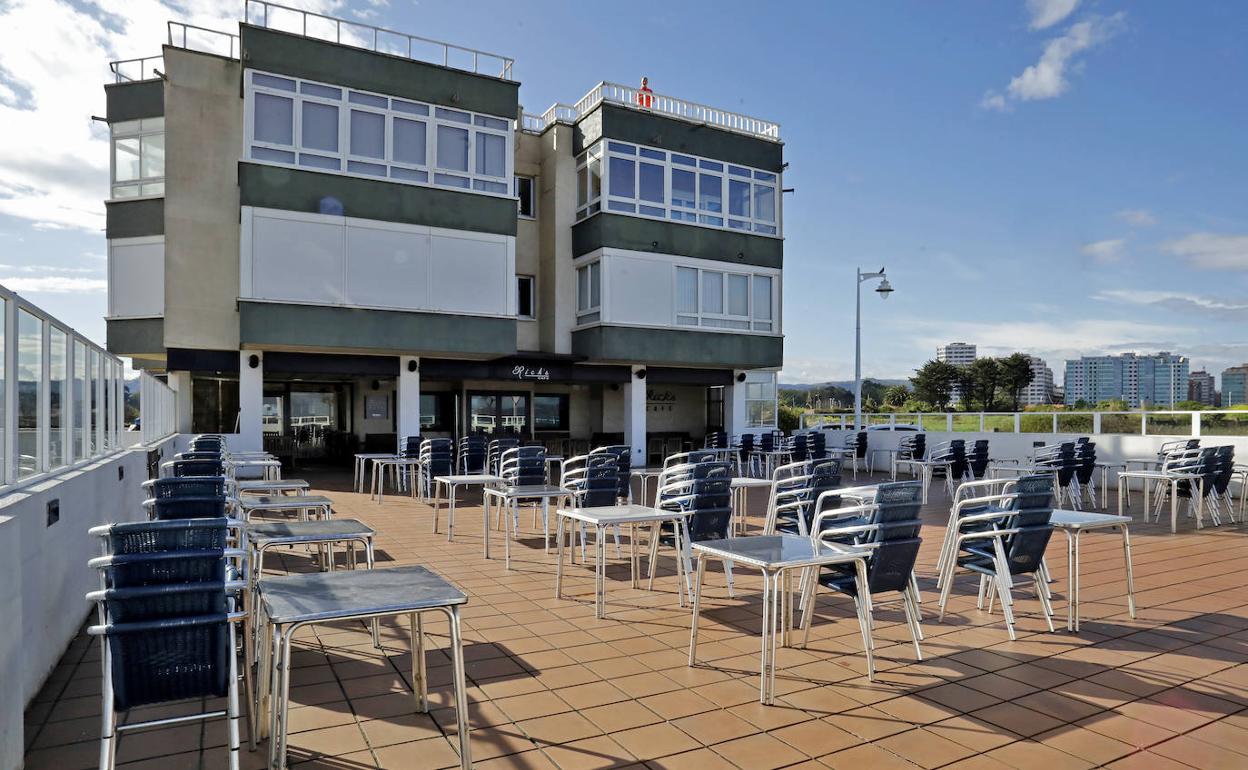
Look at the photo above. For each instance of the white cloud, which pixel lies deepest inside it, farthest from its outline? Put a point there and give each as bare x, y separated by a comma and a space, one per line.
1137, 217
1048, 78
1107, 251
55, 284
54, 58
1211, 251
1180, 301
1046, 13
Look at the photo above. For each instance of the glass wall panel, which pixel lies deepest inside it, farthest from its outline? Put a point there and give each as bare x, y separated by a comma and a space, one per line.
29, 392
81, 416
93, 396
58, 390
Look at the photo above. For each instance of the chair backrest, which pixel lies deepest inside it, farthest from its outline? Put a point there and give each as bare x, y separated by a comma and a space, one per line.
594, 479
523, 466
715, 439
200, 455
890, 564
164, 536
147, 568
495, 450
211, 467
190, 486
410, 446
707, 499
437, 457
472, 453
623, 465
1226, 468
205, 507
898, 501
689, 458
860, 444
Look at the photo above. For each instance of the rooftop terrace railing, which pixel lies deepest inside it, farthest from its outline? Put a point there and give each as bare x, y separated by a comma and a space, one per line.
158, 409
1151, 423
316, 25
203, 39
134, 70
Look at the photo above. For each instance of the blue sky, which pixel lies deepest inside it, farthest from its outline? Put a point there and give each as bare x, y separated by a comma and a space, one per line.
1053, 176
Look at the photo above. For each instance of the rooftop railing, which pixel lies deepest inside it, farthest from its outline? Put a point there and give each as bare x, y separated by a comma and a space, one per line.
316, 25
204, 40
1151, 423
134, 70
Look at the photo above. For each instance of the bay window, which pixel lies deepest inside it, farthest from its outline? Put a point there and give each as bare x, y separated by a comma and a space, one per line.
655, 183
723, 300
138, 158
329, 128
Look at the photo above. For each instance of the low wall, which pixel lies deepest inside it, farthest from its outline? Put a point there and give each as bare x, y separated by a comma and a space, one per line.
44, 574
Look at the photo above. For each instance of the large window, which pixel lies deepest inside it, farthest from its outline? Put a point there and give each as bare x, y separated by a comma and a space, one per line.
498, 413
589, 293
526, 194
214, 404
760, 399
58, 391
29, 393
328, 128
669, 185
437, 411
723, 300
138, 158
550, 411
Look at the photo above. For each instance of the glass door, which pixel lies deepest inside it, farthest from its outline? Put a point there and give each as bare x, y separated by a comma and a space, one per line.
499, 414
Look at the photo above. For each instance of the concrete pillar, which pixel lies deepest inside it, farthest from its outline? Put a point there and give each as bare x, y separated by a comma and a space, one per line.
180, 382
635, 416
250, 401
409, 398
734, 406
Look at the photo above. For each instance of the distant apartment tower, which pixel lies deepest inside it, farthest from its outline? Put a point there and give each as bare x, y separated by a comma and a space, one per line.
1200, 388
958, 354
1235, 385
1040, 390
1159, 379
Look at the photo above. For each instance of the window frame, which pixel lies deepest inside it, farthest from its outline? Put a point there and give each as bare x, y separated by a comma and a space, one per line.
532, 292
720, 321
606, 150
762, 378
564, 411
532, 183
589, 313
475, 182
143, 133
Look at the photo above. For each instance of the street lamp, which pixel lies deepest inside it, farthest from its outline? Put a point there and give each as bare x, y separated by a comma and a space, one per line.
884, 289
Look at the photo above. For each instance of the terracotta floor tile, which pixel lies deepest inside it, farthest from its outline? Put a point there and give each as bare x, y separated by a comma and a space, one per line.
698, 759
428, 754
866, 756
760, 751
654, 741
711, 727
621, 716
924, 748
560, 728
590, 754
673, 705
816, 737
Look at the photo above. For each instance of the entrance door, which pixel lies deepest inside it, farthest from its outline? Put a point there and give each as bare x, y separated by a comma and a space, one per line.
499, 414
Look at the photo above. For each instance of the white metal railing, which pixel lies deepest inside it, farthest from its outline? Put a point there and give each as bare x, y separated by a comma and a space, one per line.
203, 39
1227, 422
63, 396
317, 25
532, 123
678, 108
133, 70
157, 409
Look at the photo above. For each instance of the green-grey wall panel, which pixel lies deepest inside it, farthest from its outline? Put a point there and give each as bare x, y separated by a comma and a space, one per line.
139, 99
265, 324
135, 336
656, 130
273, 51
639, 234
298, 190
134, 219
679, 348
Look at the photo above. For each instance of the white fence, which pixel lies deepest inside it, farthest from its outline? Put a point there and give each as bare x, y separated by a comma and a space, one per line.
158, 404
1152, 423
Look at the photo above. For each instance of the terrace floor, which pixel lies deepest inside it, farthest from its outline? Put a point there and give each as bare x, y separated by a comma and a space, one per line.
552, 687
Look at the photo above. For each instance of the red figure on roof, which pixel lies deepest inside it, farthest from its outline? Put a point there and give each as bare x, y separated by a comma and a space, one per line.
645, 97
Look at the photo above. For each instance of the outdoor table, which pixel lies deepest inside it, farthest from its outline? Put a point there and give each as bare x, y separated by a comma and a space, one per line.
612, 516
1173, 479
269, 468
360, 471
925, 472
740, 487
643, 475
771, 458
1074, 524
377, 488
777, 556
891, 452
509, 497
450, 484
276, 487
262, 536
300, 504
290, 603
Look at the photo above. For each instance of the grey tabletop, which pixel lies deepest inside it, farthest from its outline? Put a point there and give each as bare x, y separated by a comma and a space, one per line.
320, 596
746, 481
619, 514
530, 490
307, 531
273, 484
1086, 519
283, 502
772, 552
471, 478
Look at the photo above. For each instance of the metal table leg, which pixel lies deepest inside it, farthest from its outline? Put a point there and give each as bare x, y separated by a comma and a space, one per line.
461, 690
697, 608
1126, 554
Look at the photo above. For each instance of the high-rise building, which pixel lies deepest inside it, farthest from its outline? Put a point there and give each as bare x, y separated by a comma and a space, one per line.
958, 354
1158, 380
1200, 388
1040, 391
1235, 385
329, 241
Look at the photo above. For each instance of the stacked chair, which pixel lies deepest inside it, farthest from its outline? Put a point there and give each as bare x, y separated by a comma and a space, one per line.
1204, 464
623, 467
954, 453
1222, 480
977, 459
911, 449
472, 453
855, 450
715, 439
191, 497
1062, 459
799, 490
745, 453
523, 466
888, 528
594, 482
171, 592
817, 445
703, 492
1004, 540
437, 458
495, 449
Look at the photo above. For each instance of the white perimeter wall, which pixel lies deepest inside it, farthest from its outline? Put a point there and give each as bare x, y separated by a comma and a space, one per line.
332, 260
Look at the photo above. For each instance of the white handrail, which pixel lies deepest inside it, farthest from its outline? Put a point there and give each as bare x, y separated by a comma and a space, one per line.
678, 108
1209, 422
369, 37
220, 40
134, 70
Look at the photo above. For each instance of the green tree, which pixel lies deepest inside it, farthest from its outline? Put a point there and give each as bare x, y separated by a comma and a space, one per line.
1113, 405
984, 376
790, 418
896, 395
933, 382
1016, 374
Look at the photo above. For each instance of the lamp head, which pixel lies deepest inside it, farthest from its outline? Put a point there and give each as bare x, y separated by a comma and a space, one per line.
884, 289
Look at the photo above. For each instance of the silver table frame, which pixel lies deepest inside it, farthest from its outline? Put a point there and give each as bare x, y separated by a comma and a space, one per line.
1173, 479
273, 487
1074, 524
741, 486
301, 504
450, 484
778, 598
509, 497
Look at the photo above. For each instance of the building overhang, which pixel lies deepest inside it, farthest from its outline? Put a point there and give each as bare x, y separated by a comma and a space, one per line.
678, 348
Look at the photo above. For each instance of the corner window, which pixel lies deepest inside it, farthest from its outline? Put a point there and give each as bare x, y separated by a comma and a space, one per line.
589, 293
723, 300
526, 297
526, 192
138, 162
760, 399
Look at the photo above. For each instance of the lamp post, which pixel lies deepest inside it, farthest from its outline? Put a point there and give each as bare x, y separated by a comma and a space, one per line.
884, 289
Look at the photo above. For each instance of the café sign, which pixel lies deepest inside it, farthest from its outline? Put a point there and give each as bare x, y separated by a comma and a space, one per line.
522, 372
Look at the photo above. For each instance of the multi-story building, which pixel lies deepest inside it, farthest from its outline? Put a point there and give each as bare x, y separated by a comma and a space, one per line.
1040, 390
1235, 385
1200, 387
958, 354
333, 242
1157, 380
